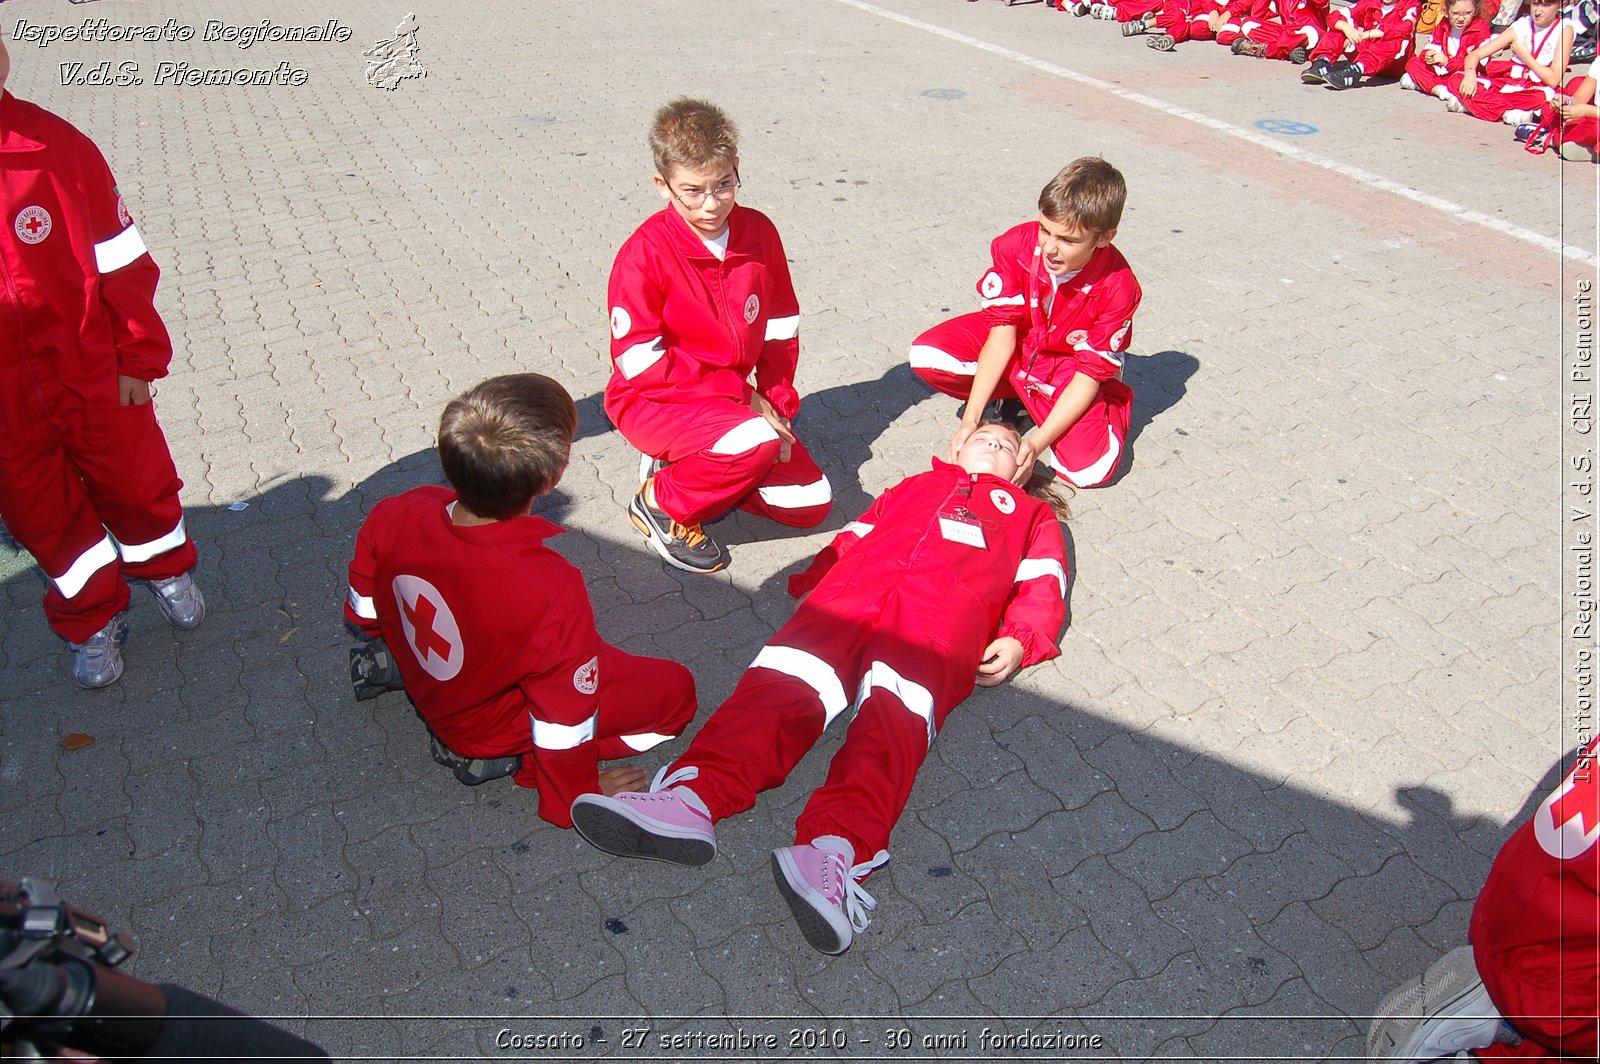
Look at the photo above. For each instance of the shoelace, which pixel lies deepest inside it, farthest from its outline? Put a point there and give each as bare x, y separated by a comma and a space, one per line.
683, 775
693, 535
857, 902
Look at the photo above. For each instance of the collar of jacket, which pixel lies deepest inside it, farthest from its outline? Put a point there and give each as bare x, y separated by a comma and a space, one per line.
692, 246
10, 138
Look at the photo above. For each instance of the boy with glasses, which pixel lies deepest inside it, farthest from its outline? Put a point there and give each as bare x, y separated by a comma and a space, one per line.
704, 341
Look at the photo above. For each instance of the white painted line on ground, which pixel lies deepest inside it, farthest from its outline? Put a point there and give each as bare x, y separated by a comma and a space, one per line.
1275, 144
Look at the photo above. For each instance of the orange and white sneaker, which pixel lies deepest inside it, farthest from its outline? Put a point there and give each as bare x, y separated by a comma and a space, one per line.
685, 546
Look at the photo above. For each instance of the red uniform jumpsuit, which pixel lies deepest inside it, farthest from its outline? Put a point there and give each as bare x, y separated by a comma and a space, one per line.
687, 330
1287, 25
1083, 326
1429, 76
1585, 131
1536, 926
1187, 20
902, 604
86, 485
494, 637
1383, 56
1506, 84
1242, 13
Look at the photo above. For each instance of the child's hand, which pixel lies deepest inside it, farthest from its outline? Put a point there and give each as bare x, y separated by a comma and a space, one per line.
1027, 454
779, 423
1000, 660
623, 778
131, 391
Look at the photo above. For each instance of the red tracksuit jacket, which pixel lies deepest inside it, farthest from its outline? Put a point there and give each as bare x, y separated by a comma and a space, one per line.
686, 326
489, 628
77, 287
955, 594
1086, 328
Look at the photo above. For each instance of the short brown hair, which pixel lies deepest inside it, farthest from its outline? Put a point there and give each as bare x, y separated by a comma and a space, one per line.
692, 134
1088, 193
506, 442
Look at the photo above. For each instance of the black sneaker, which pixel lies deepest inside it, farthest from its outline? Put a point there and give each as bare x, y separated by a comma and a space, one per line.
1161, 42
685, 546
1245, 46
1523, 132
1299, 56
1316, 73
1342, 76
473, 770
373, 671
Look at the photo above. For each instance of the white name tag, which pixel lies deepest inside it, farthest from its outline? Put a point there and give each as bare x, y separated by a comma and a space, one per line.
962, 532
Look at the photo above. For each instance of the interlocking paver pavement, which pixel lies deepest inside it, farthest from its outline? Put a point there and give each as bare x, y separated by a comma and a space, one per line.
1314, 666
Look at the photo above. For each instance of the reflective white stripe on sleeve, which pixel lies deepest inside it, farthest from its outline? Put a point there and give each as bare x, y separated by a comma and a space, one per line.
548, 736
1003, 301
1113, 357
134, 553
120, 250
860, 528
783, 328
362, 606
925, 357
911, 694
640, 357
1032, 567
85, 566
795, 496
645, 740
810, 670
745, 436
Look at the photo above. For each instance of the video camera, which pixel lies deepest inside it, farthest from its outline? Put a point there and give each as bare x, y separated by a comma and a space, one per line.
59, 987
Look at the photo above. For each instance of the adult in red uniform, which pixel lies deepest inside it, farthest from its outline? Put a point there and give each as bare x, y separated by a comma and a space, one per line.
1057, 317
87, 484
952, 578
701, 301
492, 630
1529, 984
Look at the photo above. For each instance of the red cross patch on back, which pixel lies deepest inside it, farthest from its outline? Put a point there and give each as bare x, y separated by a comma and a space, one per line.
430, 627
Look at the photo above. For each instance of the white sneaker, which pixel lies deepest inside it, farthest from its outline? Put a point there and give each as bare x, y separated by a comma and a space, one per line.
97, 661
1407, 82
180, 601
1452, 103
1443, 1011
1103, 12
1518, 117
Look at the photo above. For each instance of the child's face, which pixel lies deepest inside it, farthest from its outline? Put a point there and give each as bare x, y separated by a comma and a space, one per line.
1544, 11
1460, 13
990, 449
1067, 248
703, 198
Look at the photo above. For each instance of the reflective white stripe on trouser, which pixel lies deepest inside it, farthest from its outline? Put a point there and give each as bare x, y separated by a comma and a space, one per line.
783, 328
1094, 473
925, 357
134, 553
810, 670
860, 528
362, 606
745, 436
120, 250
911, 694
640, 357
548, 736
85, 566
645, 741
797, 496
1032, 567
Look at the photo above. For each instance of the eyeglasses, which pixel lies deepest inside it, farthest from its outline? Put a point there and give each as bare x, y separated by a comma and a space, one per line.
695, 198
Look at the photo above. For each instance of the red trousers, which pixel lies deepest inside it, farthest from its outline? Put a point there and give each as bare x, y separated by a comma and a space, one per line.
93, 496
1279, 39
1185, 20
1422, 72
902, 684
1498, 92
1131, 10
1087, 454
724, 456
1381, 57
1585, 131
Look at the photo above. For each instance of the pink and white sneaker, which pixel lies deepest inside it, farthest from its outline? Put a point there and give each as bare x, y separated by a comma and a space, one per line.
819, 883
660, 824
